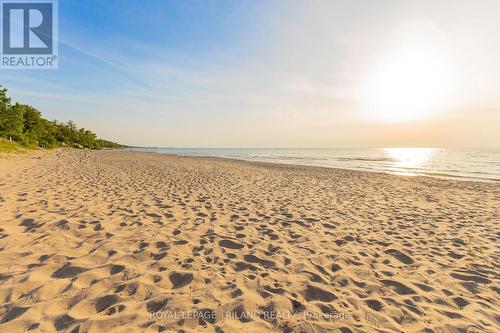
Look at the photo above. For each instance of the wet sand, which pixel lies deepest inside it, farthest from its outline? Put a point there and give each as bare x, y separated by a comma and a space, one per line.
114, 241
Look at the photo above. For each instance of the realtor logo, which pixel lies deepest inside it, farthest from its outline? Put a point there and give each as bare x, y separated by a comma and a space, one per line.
29, 34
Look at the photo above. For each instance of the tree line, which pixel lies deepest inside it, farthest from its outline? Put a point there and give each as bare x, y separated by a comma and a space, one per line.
24, 124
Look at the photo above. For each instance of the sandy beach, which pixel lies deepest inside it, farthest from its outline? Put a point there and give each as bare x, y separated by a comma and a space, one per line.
115, 241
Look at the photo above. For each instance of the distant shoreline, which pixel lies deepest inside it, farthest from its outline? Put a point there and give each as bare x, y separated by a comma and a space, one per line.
219, 153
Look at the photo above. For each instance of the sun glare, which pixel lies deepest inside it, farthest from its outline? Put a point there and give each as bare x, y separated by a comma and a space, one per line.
409, 84
409, 158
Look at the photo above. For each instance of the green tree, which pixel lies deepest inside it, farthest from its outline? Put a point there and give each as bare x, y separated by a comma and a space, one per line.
4, 100
87, 138
4, 105
11, 123
45, 134
31, 124
24, 124
32, 118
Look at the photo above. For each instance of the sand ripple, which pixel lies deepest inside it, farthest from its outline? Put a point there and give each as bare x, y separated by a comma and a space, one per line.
132, 242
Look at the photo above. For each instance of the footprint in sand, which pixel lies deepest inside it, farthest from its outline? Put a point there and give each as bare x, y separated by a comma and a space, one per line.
102, 303
256, 260
68, 271
398, 287
13, 313
400, 256
63, 322
229, 244
312, 293
157, 304
180, 280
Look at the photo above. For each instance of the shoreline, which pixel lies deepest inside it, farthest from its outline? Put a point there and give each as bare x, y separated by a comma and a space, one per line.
441, 177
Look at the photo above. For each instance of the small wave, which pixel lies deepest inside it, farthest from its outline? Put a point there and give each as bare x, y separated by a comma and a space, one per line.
365, 159
452, 164
291, 158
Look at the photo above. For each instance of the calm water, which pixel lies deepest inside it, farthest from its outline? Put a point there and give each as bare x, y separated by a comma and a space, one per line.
469, 164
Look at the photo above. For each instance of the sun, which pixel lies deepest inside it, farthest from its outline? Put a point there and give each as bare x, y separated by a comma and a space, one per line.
411, 83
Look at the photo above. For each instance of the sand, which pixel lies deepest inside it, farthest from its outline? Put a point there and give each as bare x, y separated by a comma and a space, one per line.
114, 241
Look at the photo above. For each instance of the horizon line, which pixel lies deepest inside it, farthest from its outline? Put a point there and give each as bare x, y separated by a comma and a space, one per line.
371, 147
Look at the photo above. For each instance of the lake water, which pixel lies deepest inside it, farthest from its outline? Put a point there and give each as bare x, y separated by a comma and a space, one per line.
467, 164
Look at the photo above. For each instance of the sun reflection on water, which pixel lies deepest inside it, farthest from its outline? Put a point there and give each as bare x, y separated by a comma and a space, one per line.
408, 159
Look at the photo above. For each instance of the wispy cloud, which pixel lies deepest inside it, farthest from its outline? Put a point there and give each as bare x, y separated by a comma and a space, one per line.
302, 69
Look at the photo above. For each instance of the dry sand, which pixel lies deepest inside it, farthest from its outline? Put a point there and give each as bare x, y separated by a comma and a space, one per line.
115, 241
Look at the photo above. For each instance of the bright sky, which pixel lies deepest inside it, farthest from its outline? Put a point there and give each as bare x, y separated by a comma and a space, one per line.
275, 73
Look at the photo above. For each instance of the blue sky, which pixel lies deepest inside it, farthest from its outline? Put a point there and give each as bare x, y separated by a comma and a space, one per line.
271, 73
